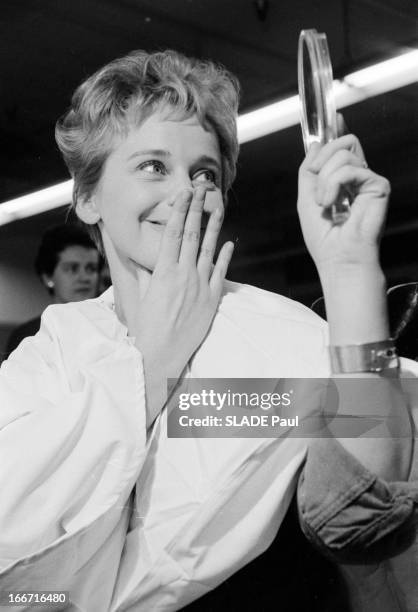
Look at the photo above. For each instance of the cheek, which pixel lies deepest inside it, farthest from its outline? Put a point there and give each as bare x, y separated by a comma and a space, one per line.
62, 286
119, 223
61, 279
122, 209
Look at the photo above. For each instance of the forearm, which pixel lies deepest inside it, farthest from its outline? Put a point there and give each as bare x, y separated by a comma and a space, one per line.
355, 299
162, 369
357, 314
157, 391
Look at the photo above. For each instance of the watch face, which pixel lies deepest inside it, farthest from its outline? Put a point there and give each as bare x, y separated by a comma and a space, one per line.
384, 359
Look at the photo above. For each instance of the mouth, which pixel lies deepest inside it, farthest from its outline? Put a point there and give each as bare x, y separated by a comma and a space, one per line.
82, 289
157, 226
161, 225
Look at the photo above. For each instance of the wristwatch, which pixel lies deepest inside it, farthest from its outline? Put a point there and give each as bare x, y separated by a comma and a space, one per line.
375, 357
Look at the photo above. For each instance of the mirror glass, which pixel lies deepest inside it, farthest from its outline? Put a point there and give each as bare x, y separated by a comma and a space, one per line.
317, 104
318, 114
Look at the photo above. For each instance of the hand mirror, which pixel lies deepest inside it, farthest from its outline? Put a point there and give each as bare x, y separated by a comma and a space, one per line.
317, 104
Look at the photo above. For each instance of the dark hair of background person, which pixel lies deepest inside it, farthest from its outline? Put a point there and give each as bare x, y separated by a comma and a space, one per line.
55, 240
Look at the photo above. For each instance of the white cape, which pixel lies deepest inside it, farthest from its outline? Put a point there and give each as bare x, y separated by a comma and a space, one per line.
91, 506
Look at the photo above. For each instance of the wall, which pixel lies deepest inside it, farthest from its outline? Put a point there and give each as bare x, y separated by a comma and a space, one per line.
22, 296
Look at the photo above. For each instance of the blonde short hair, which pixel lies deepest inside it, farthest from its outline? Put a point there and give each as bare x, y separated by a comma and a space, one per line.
128, 90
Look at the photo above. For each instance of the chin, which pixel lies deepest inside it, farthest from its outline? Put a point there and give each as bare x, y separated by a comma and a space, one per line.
79, 297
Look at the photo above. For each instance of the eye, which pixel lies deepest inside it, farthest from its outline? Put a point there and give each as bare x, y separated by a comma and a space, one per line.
70, 268
92, 268
153, 166
67, 267
205, 176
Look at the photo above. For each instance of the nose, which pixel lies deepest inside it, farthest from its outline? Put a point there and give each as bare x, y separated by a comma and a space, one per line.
173, 188
213, 197
86, 275
183, 182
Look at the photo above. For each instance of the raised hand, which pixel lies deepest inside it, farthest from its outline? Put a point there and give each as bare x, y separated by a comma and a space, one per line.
327, 173
177, 309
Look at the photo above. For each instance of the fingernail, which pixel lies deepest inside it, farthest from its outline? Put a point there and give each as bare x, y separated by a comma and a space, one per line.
314, 146
200, 192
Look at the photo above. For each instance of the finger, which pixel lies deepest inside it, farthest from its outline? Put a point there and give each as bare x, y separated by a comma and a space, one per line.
340, 159
191, 233
348, 142
359, 180
207, 250
221, 267
311, 155
173, 233
342, 127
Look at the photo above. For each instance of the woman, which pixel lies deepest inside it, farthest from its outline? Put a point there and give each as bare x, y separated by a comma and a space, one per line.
130, 519
68, 265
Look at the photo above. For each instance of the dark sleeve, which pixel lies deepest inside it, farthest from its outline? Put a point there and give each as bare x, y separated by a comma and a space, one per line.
347, 512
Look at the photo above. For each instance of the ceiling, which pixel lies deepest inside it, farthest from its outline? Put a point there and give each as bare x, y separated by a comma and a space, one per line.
49, 46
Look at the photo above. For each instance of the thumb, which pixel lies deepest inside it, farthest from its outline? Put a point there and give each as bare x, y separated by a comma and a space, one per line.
341, 125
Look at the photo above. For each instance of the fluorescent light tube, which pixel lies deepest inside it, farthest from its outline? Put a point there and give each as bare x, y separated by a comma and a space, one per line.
268, 119
355, 87
374, 80
36, 202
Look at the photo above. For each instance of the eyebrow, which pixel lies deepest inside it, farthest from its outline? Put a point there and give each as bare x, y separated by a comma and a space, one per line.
156, 152
207, 159
204, 159
74, 261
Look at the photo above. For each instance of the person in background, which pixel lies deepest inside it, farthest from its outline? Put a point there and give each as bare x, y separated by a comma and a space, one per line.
68, 264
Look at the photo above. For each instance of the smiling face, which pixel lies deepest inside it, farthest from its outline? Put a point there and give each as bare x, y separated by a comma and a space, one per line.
141, 178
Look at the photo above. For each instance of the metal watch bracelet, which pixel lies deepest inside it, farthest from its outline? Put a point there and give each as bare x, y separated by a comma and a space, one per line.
376, 357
